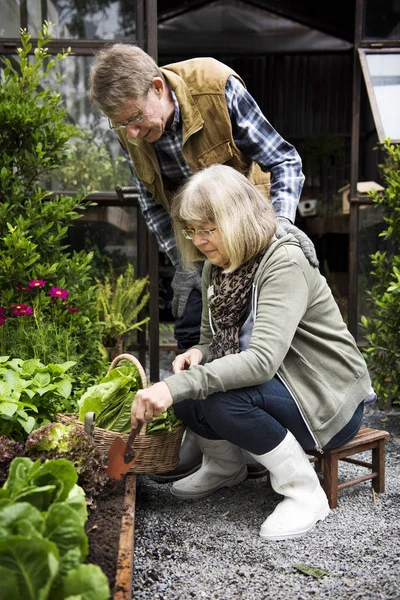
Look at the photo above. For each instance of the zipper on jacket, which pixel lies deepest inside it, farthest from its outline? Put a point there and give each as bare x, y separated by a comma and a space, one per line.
317, 445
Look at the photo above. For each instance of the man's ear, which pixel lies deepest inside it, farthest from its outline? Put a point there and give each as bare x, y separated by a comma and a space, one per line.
158, 86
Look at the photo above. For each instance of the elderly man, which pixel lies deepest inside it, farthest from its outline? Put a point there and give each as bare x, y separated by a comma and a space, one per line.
174, 121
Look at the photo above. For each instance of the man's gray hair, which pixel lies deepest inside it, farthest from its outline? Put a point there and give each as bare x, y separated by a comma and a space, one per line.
120, 72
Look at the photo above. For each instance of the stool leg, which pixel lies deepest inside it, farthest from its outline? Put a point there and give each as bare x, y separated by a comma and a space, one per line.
331, 472
378, 466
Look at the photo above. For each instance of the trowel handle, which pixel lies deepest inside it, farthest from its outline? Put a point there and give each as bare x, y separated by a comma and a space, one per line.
134, 432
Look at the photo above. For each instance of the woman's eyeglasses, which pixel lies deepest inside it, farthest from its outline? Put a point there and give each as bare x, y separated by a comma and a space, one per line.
190, 233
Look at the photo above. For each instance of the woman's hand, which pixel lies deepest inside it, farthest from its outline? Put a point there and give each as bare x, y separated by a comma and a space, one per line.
150, 403
186, 360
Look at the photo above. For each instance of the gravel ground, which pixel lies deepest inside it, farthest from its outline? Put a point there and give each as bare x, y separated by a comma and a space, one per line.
210, 549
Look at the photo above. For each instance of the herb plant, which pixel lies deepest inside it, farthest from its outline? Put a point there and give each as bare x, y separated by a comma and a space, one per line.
31, 394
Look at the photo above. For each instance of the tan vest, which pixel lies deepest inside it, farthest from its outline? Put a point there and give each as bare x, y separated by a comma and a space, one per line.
207, 139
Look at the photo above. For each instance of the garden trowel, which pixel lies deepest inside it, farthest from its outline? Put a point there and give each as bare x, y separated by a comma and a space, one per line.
121, 455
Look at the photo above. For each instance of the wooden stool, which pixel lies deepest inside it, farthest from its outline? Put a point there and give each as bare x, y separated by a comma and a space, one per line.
327, 463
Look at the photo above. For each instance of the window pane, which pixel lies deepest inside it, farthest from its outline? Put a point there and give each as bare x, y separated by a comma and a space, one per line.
111, 233
384, 75
382, 19
96, 158
94, 19
9, 18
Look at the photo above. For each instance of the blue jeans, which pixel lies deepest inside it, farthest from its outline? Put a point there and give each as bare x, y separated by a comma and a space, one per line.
256, 418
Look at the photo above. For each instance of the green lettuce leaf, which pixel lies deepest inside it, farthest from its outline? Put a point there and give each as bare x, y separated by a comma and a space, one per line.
27, 568
87, 582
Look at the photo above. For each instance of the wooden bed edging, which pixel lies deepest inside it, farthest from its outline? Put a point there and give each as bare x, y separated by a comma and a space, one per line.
124, 574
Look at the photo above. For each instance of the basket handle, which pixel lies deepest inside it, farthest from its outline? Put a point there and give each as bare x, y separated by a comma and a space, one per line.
139, 367
134, 361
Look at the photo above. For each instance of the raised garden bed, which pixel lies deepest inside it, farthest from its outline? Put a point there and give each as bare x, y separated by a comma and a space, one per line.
110, 529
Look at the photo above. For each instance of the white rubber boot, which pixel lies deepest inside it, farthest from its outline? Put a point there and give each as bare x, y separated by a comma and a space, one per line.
293, 476
223, 465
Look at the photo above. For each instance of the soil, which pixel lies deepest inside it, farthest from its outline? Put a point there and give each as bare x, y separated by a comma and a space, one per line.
103, 529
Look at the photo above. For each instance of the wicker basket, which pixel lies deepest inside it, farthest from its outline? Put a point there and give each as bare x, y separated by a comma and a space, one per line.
157, 453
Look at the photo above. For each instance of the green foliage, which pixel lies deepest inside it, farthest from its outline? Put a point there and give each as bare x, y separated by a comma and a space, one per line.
34, 138
42, 535
90, 164
111, 399
383, 326
69, 441
31, 394
120, 301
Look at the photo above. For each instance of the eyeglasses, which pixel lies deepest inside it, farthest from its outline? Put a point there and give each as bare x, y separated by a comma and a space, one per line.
134, 120
190, 233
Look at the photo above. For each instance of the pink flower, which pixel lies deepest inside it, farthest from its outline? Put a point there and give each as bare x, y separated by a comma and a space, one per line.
21, 310
72, 309
36, 283
24, 289
57, 292
2, 320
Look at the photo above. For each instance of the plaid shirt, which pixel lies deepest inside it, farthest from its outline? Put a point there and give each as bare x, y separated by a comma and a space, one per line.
254, 136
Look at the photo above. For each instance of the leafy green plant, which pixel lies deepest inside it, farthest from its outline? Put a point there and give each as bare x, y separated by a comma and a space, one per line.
382, 327
111, 399
120, 301
31, 394
34, 135
69, 441
42, 536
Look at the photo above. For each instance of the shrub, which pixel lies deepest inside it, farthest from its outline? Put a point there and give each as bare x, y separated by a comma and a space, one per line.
383, 326
34, 135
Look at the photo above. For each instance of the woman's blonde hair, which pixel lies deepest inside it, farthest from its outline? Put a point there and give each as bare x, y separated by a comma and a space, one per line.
120, 72
221, 195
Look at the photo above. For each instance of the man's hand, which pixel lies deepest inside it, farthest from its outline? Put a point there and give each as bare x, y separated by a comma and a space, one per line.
183, 283
150, 403
284, 226
186, 360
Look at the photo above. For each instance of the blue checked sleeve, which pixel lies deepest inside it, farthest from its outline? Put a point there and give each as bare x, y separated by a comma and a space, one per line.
158, 221
257, 139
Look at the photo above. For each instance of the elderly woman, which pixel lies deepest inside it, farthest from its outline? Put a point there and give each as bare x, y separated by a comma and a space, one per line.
276, 371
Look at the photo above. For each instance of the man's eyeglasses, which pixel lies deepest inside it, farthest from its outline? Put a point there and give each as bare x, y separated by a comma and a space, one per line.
134, 120
190, 233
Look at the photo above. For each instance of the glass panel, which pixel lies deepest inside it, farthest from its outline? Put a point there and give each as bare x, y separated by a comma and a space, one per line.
382, 19
370, 225
96, 159
92, 19
35, 19
9, 18
383, 84
111, 233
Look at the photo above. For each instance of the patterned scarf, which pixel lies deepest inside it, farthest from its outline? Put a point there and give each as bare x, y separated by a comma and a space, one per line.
229, 304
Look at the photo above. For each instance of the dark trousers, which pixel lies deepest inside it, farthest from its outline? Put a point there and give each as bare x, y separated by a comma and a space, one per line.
256, 418
187, 327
